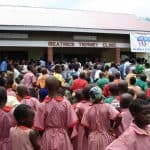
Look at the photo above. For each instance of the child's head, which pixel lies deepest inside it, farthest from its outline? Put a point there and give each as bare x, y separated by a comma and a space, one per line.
3, 97
117, 75
52, 84
44, 70
9, 81
132, 80
22, 91
140, 110
141, 95
132, 92
125, 100
85, 93
24, 115
61, 91
95, 94
113, 88
111, 77
123, 87
78, 95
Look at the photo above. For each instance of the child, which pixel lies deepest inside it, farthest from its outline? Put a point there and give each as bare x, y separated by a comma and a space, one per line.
24, 98
81, 107
126, 116
55, 116
5, 122
23, 137
137, 136
113, 88
97, 120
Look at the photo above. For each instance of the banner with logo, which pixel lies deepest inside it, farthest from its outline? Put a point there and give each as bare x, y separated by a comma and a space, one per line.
140, 42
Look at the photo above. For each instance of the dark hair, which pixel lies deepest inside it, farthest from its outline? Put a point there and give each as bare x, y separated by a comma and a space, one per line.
9, 81
131, 91
111, 78
143, 77
3, 96
117, 75
141, 95
44, 71
2, 81
21, 113
30, 67
85, 93
52, 84
113, 88
123, 87
22, 91
78, 95
106, 68
125, 100
136, 106
147, 65
82, 75
132, 80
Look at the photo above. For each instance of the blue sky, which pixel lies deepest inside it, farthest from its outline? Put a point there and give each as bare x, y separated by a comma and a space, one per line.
138, 7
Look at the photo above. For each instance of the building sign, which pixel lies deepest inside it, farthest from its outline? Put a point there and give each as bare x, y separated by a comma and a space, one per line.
81, 44
140, 42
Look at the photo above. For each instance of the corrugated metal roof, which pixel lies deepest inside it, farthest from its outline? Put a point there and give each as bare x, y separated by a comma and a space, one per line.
65, 18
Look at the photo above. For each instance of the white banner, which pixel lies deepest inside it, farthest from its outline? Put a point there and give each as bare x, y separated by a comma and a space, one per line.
140, 42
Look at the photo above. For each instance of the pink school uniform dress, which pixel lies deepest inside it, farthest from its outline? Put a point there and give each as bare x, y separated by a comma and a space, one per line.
19, 137
31, 101
81, 139
10, 92
5, 125
134, 138
55, 117
125, 122
97, 120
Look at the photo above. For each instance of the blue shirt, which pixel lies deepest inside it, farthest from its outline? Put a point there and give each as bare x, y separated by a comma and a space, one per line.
3, 66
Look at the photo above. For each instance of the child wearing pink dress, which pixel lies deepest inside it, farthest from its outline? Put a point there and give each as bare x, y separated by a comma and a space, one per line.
23, 137
5, 122
82, 106
137, 136
97, 121
24, 98
125, 114
55, 117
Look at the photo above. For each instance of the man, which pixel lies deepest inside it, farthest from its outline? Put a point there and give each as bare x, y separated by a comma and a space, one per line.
79, 83
30, 81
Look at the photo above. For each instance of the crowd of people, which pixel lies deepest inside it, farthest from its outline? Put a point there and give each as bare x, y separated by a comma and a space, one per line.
62, 105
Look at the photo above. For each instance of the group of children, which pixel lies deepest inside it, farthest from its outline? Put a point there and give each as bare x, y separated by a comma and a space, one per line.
118, 122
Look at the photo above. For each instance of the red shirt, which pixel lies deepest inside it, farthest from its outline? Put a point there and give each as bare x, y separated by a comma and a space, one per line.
79, 84
148, 92
106, 91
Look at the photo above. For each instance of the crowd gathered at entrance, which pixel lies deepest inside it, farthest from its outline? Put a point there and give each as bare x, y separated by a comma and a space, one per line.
73, 105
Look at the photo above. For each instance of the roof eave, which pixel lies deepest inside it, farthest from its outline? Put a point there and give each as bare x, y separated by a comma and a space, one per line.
67, 29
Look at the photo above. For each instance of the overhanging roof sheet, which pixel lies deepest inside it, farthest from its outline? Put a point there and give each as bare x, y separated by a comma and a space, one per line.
69, 19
